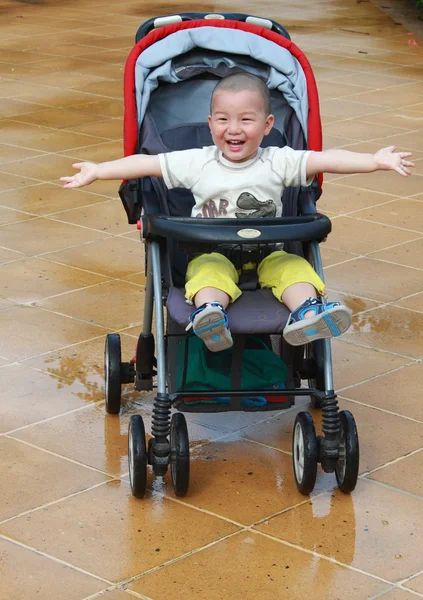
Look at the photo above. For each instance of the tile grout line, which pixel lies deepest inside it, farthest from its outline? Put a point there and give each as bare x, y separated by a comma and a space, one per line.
397, 586
67, 210
374, 377
390, 262
388, 225
353, 212
389, 463
22, 361
179, 558
53, 558
342, 262
86, 406
413, 295
56, 262
37, 303
413, 310
117, 587
392, 488
369, 255
280, 450
53, 503
355, 343
66, 458
390, 303
321, 556
79, 320
222, 517
407, 579
383, 410
380, 302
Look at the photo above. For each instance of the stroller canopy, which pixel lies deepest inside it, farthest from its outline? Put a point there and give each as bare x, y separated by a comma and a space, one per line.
193, 55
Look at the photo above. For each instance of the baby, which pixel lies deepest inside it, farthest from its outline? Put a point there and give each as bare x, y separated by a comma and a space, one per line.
237, 178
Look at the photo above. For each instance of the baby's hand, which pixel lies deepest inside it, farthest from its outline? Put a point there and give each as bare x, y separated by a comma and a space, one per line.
87, 174
387, 159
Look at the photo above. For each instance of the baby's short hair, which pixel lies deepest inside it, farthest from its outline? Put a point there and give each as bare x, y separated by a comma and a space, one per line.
238, 82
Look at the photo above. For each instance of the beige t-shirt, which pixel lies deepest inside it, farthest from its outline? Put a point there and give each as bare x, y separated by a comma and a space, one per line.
235, 190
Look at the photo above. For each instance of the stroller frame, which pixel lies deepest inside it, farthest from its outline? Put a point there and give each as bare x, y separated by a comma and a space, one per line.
336, 449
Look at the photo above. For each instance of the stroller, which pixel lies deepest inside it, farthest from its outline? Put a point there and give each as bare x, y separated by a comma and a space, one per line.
169, 78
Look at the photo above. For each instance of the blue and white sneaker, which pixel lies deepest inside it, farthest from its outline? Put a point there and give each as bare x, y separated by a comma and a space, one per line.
330, 320
210, 322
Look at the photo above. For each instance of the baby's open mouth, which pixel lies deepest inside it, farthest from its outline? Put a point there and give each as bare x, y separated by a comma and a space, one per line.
235, 144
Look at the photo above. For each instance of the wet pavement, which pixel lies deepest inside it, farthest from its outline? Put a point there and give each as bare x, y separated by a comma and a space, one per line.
72, 271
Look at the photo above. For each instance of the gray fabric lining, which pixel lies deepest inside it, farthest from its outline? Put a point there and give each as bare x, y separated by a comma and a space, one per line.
156, 64
169, 107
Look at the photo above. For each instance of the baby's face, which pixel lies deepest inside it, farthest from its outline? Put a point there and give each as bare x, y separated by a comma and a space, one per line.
238, 123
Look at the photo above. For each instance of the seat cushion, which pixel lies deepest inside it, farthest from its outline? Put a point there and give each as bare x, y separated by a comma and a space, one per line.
253, 312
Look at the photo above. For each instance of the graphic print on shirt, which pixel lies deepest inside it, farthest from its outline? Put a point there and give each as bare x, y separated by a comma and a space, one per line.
211, 211
247, 201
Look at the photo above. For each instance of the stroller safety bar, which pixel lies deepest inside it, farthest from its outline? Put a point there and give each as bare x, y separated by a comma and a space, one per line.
237, 231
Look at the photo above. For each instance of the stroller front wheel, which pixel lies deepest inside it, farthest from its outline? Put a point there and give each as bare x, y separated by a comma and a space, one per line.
346, 470
304, 453
137, 456
179, 454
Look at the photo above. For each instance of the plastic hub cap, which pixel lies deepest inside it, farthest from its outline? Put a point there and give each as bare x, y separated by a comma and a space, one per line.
299, 452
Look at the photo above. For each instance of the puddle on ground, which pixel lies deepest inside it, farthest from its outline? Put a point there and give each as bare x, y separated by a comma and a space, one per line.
369, 322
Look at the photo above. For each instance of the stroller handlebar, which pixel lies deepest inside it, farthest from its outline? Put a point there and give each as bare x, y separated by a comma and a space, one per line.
237, 231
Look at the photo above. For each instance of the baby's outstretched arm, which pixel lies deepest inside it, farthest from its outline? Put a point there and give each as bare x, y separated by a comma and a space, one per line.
346, 162
130, 167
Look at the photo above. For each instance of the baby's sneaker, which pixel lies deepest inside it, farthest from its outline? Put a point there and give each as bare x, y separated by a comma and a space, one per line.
329, 320
210, 322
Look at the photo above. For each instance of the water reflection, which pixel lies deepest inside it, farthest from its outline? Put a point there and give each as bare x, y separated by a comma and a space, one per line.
371, 322
326, 525
71, 369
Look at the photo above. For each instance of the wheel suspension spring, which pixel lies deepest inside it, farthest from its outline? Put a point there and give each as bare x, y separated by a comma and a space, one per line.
160, 423
330, 417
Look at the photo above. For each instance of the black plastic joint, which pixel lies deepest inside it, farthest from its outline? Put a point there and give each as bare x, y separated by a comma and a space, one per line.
127, 372
143, 384
328, 454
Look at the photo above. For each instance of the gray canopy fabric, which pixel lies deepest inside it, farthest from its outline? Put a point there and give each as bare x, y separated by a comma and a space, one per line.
156, 64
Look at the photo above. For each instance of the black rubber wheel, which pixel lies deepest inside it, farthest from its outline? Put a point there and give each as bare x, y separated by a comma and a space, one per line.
137, 456
314, 351
304, 452
112, 362
346, 470
179, 454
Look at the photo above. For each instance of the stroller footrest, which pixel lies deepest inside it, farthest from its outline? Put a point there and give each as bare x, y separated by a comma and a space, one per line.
254, 312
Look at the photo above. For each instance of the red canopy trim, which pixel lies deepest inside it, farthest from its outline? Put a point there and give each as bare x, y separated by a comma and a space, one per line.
130, 131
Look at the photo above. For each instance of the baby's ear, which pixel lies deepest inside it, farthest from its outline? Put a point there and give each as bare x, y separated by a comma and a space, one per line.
270, 121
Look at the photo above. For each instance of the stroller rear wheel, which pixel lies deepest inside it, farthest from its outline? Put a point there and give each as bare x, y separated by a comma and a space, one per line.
304, 452
179, 454
112, 362
346, 470
137, 456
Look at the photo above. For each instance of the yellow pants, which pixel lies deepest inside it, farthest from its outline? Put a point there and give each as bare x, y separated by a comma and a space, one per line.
277, 271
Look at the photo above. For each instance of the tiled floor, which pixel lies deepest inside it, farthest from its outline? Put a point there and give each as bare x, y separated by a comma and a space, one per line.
72, 271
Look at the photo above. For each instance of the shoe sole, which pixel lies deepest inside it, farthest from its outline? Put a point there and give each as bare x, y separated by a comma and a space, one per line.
210, 327
332, 323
